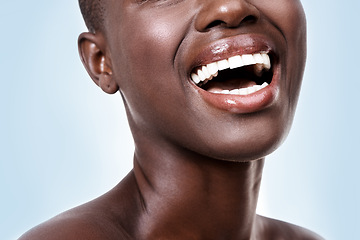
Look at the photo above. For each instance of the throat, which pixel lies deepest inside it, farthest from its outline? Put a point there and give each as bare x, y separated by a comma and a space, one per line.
216, 200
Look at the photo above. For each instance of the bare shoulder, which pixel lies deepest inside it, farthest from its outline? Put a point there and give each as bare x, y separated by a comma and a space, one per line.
106, 217
279, 230
77, 224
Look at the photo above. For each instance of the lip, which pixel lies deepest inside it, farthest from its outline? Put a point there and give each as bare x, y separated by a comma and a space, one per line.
243, 103
231, 46
239, 45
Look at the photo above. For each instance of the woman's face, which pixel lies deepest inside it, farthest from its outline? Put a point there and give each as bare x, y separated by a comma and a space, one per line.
157, 48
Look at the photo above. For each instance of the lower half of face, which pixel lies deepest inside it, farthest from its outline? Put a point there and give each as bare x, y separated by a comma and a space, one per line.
188, 121
239, 112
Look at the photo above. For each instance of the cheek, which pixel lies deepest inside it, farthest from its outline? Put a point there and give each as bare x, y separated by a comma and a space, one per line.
293, 25
288, 17
152, 35
150, 42
145, 72
285, 12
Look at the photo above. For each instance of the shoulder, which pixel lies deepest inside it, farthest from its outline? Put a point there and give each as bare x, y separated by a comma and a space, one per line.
105, 217
280, 230
74, 225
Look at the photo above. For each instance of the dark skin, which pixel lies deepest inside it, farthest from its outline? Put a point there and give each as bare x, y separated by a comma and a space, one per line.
198, 156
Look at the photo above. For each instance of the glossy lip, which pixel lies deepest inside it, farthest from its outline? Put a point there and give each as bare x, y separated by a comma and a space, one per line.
239, 45
231, 46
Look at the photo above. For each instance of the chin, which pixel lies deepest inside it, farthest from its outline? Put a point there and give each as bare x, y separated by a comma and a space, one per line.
249, 143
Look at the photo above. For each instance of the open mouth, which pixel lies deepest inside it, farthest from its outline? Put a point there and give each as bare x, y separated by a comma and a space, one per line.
238, 75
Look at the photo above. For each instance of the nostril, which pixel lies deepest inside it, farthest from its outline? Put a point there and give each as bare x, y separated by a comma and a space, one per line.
215, 24
249, 19
225, 14
246, 20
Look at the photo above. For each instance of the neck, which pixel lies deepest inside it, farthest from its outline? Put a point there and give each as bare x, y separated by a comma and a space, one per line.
187, 196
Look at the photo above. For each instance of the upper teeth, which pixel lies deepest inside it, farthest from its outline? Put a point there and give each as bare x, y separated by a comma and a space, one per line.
211, 70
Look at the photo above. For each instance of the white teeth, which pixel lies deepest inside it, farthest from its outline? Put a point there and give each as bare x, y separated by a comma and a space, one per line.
251, 90
212, 68
267, 63
241, 91
235, 62
248, 59
208, 72
223, 64
195, 78
258, 58
201, 75
257, 88
234, 91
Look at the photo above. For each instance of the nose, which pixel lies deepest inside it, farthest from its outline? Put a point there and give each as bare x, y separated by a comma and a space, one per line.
225, 13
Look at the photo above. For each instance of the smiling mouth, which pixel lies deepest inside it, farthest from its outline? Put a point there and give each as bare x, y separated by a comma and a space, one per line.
238, 75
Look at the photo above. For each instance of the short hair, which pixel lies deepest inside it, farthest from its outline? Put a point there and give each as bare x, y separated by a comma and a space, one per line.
93, 14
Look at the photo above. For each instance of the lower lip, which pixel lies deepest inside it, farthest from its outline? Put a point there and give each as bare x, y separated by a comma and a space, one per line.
251, 103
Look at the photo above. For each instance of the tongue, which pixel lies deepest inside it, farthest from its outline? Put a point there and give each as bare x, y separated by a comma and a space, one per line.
228, 84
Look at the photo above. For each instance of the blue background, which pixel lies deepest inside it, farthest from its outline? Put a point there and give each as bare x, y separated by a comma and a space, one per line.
64, 142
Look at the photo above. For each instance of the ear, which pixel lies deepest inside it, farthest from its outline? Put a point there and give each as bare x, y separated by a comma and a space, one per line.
97, 63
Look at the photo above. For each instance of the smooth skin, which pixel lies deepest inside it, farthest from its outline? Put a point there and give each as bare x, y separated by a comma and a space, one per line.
197, 168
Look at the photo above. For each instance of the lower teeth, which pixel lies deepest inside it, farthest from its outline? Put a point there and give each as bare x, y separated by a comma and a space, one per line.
241, 91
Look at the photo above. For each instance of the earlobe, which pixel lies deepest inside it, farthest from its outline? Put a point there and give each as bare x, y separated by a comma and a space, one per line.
107, 84
93, 55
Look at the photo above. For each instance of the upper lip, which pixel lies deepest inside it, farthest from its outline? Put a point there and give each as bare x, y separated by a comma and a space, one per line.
231, 46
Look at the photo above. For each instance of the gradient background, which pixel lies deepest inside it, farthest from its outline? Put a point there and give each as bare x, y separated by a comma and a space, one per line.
64, 142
